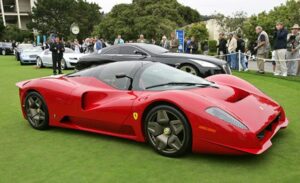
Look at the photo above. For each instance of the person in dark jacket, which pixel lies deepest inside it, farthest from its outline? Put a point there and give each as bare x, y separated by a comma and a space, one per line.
280, 45
57, 48
222, 46
241, 48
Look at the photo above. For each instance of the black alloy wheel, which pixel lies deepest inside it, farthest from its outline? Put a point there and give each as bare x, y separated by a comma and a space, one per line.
36, 111
168, 131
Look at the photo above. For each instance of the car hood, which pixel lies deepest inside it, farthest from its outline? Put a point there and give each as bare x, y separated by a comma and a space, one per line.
255, 111
194, 57
31, 53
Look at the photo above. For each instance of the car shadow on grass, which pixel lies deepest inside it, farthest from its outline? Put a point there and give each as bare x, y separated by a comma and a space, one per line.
245, 160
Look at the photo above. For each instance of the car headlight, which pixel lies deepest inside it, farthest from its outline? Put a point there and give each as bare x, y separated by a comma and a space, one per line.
221, 114
204, 63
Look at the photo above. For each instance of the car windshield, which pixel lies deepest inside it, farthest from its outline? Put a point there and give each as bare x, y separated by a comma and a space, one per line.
34, 49
163, 77
154, 48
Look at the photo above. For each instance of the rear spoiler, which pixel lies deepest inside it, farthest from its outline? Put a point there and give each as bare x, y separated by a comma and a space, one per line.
22, 83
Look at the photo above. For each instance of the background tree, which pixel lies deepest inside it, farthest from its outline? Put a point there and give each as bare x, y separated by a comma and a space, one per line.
12, 32
197, 30
153, 18
57, 16
231, 23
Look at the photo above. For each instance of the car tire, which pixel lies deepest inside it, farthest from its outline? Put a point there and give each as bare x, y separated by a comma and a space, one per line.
3, 52
36, 111
21, 63
168, 131
39, 62
64, 64
189, 68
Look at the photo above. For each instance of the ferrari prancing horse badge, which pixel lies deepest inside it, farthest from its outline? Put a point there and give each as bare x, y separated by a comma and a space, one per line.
135, 115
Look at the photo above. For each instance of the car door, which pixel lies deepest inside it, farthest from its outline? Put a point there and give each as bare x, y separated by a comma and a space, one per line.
111, 53
131, 53
105, 102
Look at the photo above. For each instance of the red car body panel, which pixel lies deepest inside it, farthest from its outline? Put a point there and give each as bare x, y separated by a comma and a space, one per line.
85, 103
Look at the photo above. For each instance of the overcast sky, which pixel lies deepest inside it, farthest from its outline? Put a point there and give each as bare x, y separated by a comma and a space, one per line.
208, 7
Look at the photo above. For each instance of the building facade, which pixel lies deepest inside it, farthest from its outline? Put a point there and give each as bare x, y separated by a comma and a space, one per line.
16, 12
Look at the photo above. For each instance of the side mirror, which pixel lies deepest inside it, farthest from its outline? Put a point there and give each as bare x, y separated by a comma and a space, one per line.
137, 52
122, 75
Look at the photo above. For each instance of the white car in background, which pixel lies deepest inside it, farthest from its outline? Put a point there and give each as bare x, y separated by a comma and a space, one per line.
70, 59
29, 55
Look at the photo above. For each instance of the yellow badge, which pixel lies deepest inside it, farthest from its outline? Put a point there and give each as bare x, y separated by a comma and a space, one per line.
135, 115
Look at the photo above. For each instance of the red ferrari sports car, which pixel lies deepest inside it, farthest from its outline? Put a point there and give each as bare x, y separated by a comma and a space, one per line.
151, 102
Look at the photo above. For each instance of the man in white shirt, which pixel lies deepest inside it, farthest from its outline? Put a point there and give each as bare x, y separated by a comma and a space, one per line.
232, 45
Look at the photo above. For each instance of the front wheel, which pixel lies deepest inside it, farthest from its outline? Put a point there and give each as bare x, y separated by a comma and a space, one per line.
189, 69
168, 131
3, 52
39, 63
36, 111
64, 64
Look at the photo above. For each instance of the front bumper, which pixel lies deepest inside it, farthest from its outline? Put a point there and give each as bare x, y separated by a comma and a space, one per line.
238, 143
28, 60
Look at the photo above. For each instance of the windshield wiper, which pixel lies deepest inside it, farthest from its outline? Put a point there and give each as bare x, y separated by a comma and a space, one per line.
184, 84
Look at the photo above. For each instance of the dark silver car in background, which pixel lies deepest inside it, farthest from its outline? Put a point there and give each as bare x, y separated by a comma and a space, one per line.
200, 65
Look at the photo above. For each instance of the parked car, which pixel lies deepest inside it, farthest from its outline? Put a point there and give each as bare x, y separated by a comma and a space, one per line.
29, 56
6, 48
20, 48
146, 101
195, 64
69, 60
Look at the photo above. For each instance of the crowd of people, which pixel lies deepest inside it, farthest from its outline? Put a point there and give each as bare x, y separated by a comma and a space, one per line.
171, 43
231, 47
285, 54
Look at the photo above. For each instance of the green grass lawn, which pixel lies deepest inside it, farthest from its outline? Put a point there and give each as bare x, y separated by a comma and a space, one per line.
59, 155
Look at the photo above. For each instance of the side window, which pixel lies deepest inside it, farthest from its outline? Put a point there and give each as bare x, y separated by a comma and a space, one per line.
112, 51
108, 75
127, 50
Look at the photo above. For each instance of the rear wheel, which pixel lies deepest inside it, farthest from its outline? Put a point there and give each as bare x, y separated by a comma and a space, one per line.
39, 63
189, 69
168, 131
36, 111
3, 52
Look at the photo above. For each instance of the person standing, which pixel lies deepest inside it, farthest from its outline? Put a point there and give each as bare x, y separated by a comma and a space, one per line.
262, 48
187, 41
293, 47
142, 39
222, 48
192, 46
57, 48
119, 40
98, 45
232, 45
280, 40
77, 46
165, 42
174, 43
241, 52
